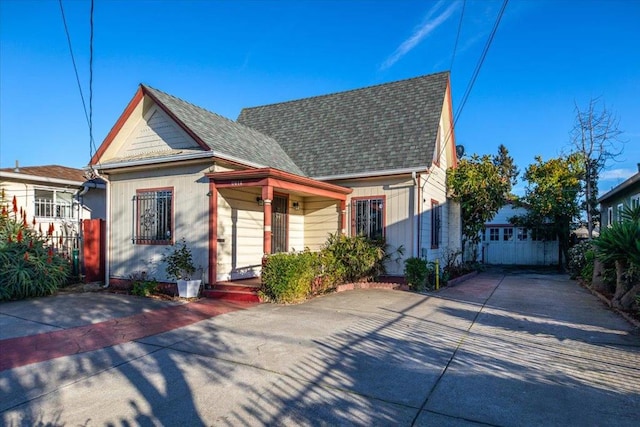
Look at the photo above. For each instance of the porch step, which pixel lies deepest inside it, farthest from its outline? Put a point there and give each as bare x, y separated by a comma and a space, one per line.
233, 292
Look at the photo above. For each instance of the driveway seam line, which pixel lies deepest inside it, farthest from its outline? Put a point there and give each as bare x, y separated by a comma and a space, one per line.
455, 352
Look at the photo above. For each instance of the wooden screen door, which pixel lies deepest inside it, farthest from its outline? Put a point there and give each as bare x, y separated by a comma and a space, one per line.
279, 211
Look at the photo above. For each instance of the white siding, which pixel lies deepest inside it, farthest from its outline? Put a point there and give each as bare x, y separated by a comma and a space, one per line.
296, 224
399, 194
321, 218
190, 219
240, 235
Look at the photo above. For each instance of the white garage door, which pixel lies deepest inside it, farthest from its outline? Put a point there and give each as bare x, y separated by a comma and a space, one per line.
516, 246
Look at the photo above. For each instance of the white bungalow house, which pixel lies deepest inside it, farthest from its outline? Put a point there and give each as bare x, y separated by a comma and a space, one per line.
282, 177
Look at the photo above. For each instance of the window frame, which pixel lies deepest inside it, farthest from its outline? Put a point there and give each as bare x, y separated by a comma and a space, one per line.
436, 224
53, 205
137, 236
492, 234
619, 209
354, 214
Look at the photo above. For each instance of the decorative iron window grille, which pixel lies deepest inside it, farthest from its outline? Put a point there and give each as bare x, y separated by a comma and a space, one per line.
436, 220
368, 217
153, 217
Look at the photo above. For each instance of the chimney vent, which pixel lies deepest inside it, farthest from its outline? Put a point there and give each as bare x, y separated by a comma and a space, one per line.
17, 168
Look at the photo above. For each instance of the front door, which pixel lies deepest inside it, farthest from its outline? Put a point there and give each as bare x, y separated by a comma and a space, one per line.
279, 220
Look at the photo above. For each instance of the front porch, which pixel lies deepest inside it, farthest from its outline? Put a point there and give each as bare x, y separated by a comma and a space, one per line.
263, 211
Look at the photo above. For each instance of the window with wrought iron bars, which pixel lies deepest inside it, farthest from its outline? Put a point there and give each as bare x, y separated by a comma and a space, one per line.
153, 216
368, 217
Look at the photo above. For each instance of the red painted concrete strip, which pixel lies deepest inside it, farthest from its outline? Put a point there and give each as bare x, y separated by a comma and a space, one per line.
39, 348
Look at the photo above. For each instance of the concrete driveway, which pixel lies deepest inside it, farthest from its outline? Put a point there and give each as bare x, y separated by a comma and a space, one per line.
503, 350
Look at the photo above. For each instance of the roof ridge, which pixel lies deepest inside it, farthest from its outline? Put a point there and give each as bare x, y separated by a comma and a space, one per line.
234, 122
347, 91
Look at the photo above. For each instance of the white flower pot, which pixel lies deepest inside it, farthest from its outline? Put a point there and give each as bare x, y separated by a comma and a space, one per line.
188, 288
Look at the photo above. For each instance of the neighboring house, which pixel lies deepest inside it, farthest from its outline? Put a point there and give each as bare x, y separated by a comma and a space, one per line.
62, 198
370, 161
612, 202
506, 244
54, 194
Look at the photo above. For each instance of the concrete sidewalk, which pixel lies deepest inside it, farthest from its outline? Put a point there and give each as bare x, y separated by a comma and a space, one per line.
47, 328
499, 350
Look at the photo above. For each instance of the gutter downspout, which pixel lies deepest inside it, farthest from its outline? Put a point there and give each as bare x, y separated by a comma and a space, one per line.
416, 216
419, 219
107, 227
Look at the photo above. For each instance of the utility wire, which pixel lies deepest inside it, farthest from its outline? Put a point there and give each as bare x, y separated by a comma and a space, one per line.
73, 60
92, 147
480, 62
455, 46
471, 83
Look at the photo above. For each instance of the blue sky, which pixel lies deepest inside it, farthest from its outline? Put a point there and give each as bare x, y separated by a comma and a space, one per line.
224, 55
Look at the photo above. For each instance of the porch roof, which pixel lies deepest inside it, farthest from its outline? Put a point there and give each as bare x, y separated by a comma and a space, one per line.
278, 179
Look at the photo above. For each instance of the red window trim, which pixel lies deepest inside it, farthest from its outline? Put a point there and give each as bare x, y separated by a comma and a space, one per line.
434, 204
384, 212
137, 217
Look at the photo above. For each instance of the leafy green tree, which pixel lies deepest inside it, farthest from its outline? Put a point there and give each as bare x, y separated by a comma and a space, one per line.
482, 185
551, 197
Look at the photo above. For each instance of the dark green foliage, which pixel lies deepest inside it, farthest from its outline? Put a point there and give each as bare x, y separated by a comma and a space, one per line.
143, 286
620, 242
355, 258
292, 277
288, 277
481, 185
179, 261
551, 197
578, 259
28, 266
415, 273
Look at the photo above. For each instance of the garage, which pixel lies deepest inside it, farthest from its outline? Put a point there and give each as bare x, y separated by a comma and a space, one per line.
505, 244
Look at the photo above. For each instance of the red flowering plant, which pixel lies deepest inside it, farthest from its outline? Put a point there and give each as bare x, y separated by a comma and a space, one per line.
28, 265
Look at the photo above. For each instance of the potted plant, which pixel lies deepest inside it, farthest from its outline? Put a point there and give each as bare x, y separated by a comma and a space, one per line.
179, 266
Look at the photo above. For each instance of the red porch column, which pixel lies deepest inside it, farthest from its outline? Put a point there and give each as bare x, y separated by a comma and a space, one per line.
343, 216
267, 197
213, 233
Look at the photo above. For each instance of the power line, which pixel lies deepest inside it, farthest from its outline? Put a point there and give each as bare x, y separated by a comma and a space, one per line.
73, 60
455, 46
480, 62
92, 147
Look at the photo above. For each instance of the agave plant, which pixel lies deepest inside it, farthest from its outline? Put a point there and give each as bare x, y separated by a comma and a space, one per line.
620, 244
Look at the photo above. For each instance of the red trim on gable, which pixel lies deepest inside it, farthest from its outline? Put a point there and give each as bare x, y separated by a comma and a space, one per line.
451, 121
184, 127
137, 98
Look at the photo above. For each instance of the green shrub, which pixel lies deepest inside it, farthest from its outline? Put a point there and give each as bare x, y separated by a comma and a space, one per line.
355, 258
578, 259
28, 266
587, 271
143, 286
288, 277
443, 278
415, 273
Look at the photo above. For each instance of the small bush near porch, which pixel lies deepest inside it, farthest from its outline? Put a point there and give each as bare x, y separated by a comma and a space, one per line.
293, 277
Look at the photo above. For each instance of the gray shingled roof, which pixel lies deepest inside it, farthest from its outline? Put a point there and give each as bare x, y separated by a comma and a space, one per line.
225, 136
384, 127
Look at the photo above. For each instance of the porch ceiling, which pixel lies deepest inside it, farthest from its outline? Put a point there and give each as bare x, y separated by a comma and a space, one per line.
278, 180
